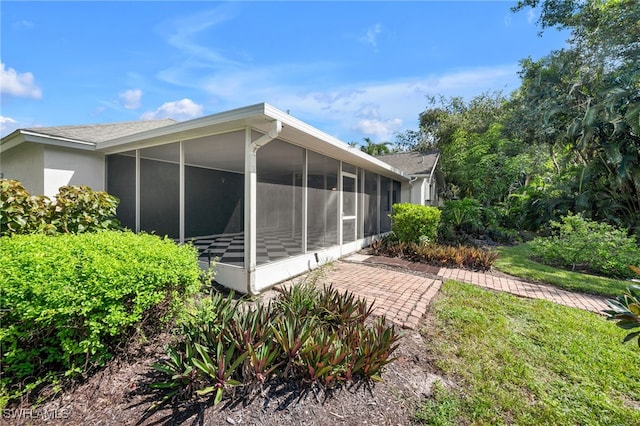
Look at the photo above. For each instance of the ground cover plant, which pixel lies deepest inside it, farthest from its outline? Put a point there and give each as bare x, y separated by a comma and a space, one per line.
518, 361
580, 243
73, 297
520, 261
436, 254
310, 336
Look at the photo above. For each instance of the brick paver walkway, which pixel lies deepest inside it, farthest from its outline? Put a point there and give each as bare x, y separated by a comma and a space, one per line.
404, 295
525, 289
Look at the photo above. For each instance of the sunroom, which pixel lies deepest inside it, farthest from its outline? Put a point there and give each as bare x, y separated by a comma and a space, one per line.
263, 194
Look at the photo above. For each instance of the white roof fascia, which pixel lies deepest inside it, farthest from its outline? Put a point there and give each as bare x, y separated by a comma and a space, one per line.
30, 136
358, 157
183, 130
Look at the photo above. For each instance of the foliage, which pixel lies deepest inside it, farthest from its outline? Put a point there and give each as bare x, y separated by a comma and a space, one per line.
21, 213
566, 140
519, 261
529, 362
310, 335
436, 254
582, 104
373, 148
79, 209
585, 244
467, 222
409, 222
72, 298
625, 309
74, 210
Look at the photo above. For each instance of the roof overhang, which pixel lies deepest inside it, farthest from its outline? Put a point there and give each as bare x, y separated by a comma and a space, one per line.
258, 117
21, 136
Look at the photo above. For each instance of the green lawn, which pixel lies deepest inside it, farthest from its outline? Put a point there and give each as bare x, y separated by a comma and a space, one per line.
517, 261
521, 361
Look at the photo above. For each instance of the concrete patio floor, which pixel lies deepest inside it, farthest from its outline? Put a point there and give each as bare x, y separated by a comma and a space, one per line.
402, 290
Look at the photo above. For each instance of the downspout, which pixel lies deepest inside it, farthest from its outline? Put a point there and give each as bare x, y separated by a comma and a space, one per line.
251, 199
275, 131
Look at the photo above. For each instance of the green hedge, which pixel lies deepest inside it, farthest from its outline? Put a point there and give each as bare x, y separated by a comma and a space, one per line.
410, 222
67, 298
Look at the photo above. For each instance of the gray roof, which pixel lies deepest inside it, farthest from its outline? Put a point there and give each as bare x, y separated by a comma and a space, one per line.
101, 132
412, 163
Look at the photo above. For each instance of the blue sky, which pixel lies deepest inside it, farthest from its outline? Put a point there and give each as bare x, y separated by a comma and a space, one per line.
351, 69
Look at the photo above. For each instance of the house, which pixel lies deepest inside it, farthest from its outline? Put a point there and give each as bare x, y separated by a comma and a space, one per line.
426, 181
267, 194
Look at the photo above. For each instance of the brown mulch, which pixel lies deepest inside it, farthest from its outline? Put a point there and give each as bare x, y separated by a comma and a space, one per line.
119, 394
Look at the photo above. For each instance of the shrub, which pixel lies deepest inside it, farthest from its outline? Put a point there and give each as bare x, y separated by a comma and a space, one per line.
315, 336
467, 222
464, 215
21, 213
74, 209
584, 244
410, 222
69, 298
79, 209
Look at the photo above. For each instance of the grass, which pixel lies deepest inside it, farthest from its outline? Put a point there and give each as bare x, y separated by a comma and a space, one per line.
528, 362
517, 261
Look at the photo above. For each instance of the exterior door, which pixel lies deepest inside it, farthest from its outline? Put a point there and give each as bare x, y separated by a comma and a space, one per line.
349, 206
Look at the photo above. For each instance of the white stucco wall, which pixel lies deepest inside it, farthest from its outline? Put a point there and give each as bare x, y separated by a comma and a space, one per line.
25, 163
65, 166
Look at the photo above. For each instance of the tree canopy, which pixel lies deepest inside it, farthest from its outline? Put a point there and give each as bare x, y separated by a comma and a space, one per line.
568, 139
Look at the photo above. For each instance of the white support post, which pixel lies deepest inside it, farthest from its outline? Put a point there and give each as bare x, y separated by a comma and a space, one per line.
250, 199
181, 203
305, 198
137, 185
378, 205
340, 206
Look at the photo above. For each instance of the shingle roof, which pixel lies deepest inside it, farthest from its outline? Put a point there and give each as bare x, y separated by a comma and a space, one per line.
412, 163
101, 132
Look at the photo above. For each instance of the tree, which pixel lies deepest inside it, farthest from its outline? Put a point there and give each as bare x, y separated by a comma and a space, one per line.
583, 103
372, 148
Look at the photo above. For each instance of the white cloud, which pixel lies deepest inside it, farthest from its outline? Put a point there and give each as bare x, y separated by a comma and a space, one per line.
381, 129
19, 85
184, 109
371, 35
23, 24
131, 98
7, 125
382, 108
531, 16
345, 110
